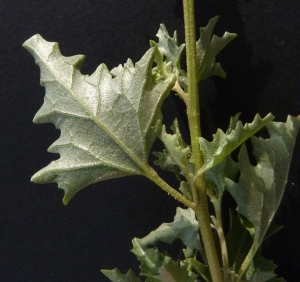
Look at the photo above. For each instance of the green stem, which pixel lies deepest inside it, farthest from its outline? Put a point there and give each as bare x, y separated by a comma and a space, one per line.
153, 176
176, 88
193, 110
247, 261
209, 245
220, 231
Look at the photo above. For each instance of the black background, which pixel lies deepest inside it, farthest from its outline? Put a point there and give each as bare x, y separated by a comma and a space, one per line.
42, 240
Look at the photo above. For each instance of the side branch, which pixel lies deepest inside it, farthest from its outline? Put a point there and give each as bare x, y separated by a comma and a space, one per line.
151, 174
177, 88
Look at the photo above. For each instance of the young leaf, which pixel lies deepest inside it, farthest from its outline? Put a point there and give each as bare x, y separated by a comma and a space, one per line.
200, 268
116, 276
108, 122
260, 188
173, 272
184, 227
158, 267
175, 156
260, 276
224, 143
261, 269
208, 46
168, 50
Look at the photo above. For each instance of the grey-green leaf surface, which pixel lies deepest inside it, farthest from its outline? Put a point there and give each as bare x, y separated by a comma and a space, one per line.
215, 177
168, 50
227, 168
108, 120
184, 227
116, 276
261, 269
224, 143
158, 267
200, 268
207, 47
260, 188
175, 156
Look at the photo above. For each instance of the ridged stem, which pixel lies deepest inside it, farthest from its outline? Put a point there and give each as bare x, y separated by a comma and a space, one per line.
193, 110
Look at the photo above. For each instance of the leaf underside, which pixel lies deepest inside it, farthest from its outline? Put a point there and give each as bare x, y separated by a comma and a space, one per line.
175, 156
225, 143
184, 227
260, 188
108, 120
168, 49
158, 267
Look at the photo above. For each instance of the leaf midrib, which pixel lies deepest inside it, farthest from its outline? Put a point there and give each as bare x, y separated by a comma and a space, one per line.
101, 162
142, 165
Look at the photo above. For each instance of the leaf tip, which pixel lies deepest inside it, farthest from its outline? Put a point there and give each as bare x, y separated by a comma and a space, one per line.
34, 179
66, 199
27, 44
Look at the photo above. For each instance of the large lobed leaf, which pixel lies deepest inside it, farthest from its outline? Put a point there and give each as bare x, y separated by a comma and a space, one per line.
260, 188
108, 120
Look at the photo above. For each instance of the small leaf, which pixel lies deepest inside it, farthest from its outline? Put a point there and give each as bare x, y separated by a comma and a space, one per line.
158, 267
208, 46
200, 268
173, 272
223, 144
108, 121
261, 269
184, 227
116, 276
150, 259
260, 276
175, 157
168, 50
260, 188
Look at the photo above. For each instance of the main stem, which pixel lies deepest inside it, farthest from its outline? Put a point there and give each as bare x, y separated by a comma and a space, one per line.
193, 110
